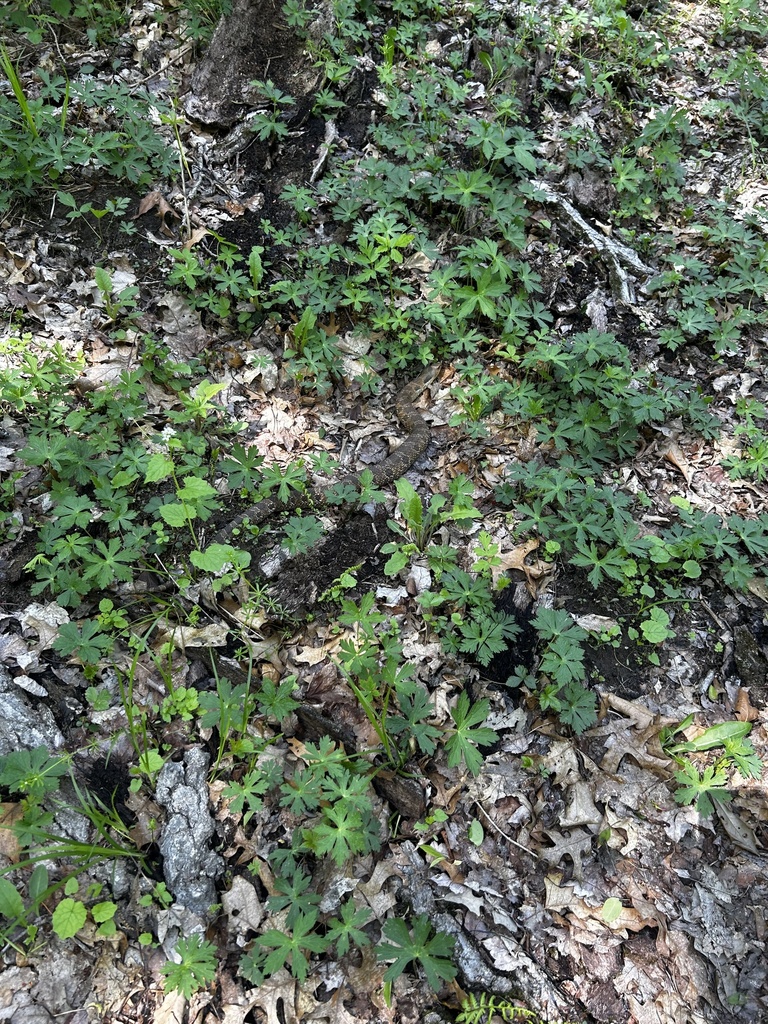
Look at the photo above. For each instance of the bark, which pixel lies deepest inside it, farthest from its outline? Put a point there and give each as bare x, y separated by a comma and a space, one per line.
249, 43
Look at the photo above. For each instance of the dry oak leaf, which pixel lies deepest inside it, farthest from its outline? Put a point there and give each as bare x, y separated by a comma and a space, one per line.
277, 997
156, 201
516, 559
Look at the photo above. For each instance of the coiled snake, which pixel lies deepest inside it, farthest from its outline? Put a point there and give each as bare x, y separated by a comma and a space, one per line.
383, 473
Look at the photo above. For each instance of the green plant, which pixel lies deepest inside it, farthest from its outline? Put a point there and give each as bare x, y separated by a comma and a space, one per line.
36, 776
48, 144
268, 124
117, 304
483, 1008
20, 915
96, 21
32, 773
468, 733
181, 703
195, 968
420, 946
71, 914
347, 929
428, 249
561, 670
421, 523
159, 895
708, 788
288, 948
202, 16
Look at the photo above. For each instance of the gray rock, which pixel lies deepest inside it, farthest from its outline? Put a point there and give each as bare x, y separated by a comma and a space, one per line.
189, 864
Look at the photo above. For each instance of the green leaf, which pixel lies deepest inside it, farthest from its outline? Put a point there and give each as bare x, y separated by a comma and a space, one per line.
577, 707
103, 280
525, 158
197, 967
705, 790
11, 903
718, 736
160, 467
411, 506
347, 928
476, 833
339, 834
433, 954
38, 882
461, 745
104, 911
396, 562
175, 515
289, 948
88, 643
68, 918
612, 909
216, 556
655, 627
32, 772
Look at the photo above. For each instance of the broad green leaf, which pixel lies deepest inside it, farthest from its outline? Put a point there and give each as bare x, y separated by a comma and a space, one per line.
103, 911
411, 507
160, 467
612, 909
476, 833
216, 556
68, 918
176, 515
11, 904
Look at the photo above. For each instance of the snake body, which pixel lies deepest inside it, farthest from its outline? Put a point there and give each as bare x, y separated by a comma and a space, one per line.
384, 472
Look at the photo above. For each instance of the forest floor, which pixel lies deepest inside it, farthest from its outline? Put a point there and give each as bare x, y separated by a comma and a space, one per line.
489, 744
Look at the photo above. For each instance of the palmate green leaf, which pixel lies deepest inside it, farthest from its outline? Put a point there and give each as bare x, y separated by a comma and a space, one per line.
302, 534
744, 756
197, 967
241, 465
302, 792
487, 634
468, 732
294, 894
416, 706
563, 661
109, 562
347, 928
555, 622
290, 948
611, 564
433, 954
73, 511
32, 772
88, 643
702, 790
339, 834
277, 698
577, 707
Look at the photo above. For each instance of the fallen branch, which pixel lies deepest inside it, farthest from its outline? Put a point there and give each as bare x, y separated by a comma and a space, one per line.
614, 253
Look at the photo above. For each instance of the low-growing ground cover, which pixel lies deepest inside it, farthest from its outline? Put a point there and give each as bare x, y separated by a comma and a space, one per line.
490, 741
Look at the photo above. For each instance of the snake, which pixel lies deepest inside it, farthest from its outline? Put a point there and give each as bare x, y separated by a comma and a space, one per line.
384, 473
